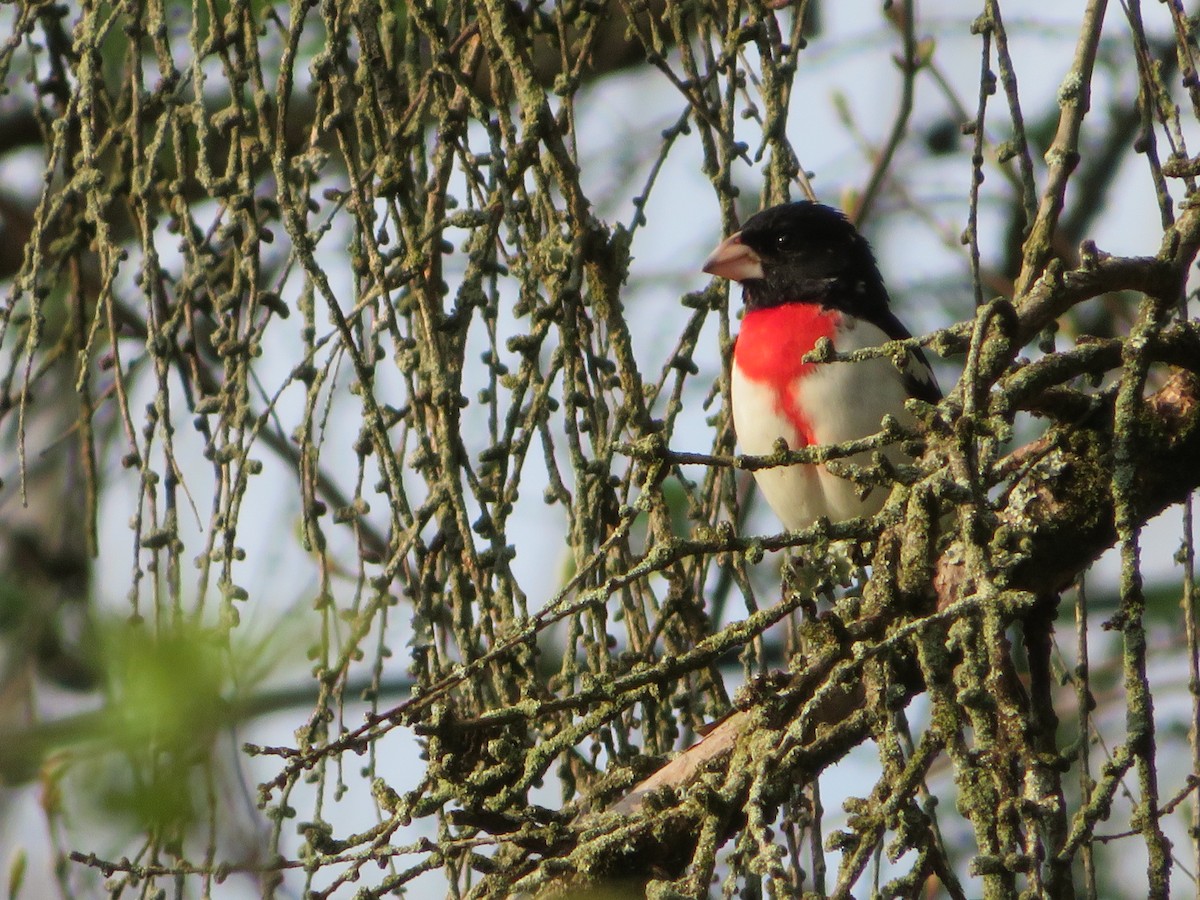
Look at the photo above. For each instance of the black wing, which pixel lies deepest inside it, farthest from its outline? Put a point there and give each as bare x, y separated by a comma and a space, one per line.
918, 376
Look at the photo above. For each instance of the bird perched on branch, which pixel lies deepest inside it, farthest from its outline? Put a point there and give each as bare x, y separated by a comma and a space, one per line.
806, 273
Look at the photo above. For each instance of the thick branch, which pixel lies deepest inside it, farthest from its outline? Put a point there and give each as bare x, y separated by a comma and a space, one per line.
1060, 517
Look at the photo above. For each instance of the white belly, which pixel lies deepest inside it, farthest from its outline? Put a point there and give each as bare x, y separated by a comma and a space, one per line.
843, 401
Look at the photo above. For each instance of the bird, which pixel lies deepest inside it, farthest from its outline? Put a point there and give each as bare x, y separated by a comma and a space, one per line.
807, 273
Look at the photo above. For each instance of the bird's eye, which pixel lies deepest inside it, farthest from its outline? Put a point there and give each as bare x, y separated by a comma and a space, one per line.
783, 241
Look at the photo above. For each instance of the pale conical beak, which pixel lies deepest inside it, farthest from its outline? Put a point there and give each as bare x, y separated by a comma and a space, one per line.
734, 260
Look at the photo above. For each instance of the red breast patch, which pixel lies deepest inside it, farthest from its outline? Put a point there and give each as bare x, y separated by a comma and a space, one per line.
770, 350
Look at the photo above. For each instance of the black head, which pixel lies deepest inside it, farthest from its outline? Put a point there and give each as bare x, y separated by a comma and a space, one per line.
802, 252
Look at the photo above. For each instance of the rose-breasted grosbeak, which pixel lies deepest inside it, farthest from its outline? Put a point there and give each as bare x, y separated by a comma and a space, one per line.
806, 273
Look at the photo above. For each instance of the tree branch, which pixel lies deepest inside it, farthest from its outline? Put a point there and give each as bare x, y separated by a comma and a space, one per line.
1058, 521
